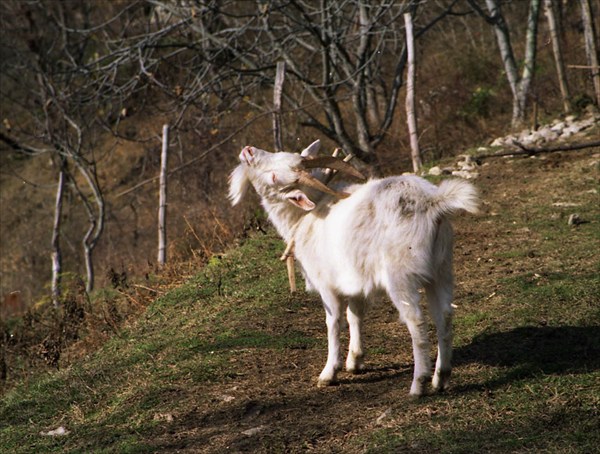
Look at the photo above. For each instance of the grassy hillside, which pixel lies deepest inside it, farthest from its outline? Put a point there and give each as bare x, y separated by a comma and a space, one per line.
227, 362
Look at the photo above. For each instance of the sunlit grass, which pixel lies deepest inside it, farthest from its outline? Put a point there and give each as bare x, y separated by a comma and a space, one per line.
527, 356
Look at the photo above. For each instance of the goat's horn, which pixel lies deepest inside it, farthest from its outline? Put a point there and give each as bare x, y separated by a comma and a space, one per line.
330, 162
308, 180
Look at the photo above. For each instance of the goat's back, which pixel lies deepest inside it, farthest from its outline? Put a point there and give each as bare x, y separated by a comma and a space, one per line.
388, 228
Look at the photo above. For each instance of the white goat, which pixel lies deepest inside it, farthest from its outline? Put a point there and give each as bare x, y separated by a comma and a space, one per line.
390, 234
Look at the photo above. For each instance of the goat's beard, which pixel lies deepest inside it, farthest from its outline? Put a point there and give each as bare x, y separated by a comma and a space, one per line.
238, 184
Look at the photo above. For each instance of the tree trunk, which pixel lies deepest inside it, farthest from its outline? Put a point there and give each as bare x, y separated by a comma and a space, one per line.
411, 114
162, 199
89, 265
56, 251
518, 84
360, 88
504, 44
590, 45
528, 64
550, 10
277, 92
96, 220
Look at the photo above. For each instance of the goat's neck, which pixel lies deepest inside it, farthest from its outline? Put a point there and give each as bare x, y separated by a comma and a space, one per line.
284, 216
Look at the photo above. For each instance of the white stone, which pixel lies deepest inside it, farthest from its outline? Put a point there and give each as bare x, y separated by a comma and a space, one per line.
573, 129
530, 138
465, 174
523, 135
548, 135
575, 219
435, 171
537, 137
566, 134
384, 415
253, 431
58, 432
565, 204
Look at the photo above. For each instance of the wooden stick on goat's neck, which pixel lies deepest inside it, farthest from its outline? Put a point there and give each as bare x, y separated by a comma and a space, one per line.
288, 254
289, 251
288, 258
291, 273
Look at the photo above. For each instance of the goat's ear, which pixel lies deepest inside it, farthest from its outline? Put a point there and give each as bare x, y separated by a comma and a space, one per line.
312, 149
300, 199
238, 184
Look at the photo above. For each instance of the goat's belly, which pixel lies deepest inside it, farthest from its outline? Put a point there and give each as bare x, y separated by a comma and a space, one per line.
342, 273
344, 257
350, 283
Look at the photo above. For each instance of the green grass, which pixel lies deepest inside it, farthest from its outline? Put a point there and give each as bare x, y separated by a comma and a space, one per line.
527, 357
536, 413
518, 384
186, 338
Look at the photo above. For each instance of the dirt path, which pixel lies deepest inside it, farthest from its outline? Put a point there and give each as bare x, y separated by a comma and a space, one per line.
273, 404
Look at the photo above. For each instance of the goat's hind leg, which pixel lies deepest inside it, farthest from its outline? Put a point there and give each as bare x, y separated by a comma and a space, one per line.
355, 314
333, 308
406, 301
439, 299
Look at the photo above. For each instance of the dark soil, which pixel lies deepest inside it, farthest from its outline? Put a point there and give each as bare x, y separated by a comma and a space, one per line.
272, 403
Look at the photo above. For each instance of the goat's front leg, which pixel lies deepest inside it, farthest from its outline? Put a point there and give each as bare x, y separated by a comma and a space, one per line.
333, 309
355, 314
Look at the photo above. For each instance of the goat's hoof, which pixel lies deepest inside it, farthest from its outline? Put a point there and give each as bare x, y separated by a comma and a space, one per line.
440, 380
419, 386
356, 368
326, 380
323, 383
414, 397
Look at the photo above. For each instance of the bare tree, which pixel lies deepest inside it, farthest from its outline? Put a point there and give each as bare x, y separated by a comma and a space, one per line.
338, 54
56, 250
162, 204
519, 83
550, 11
345, 60
411, 114
72, 69
590, 45
67, 78
277, 93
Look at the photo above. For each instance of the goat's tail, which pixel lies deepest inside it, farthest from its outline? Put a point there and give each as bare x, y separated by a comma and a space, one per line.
456, 195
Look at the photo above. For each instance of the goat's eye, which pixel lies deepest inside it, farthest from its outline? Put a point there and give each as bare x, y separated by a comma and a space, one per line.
273, 178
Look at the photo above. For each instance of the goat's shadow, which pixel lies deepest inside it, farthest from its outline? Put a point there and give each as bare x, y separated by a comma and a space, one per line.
528, 351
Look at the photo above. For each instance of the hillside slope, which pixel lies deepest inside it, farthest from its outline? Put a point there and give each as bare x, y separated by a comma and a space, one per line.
228, 361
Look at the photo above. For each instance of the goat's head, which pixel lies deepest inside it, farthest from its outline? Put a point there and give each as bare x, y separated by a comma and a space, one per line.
284, 176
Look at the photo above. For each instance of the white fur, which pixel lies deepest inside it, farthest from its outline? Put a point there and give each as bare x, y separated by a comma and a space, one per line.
390, 235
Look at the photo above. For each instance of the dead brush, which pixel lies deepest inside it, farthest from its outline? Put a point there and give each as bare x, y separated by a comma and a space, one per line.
52, 337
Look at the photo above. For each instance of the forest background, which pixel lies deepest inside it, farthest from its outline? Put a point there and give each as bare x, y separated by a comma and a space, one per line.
86, 87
